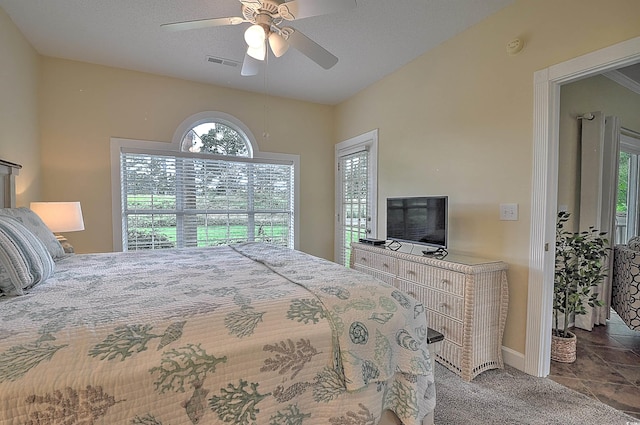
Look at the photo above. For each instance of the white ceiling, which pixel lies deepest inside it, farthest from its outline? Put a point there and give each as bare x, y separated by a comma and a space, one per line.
371, 41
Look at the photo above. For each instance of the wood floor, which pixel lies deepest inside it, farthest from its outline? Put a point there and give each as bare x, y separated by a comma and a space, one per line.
607, 367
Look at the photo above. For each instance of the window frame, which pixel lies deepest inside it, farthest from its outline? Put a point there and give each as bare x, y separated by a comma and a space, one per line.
630, 144
119, 145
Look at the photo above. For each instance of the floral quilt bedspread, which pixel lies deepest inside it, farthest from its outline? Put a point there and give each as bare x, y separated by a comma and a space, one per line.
249, 334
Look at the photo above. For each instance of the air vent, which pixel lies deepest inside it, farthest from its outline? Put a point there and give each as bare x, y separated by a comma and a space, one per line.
223, 61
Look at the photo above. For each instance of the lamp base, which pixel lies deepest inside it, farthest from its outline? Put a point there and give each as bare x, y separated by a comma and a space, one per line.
66, 246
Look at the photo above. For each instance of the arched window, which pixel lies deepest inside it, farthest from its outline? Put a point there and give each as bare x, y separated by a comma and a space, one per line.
215, 133
209, 189
215, 138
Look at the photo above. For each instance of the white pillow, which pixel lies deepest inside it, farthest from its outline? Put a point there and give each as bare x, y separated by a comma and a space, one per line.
24, 260
34, 223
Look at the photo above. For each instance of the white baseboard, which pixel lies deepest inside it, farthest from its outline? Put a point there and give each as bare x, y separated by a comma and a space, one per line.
513, 358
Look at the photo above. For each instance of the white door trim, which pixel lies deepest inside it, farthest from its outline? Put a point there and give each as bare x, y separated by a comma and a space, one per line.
544, 190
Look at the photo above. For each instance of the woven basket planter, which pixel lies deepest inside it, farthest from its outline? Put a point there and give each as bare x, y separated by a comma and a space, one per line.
563, 350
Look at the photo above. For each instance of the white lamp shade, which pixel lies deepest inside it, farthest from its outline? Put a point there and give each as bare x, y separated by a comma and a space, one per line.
279, 45
257, 52
60, 216
255, 36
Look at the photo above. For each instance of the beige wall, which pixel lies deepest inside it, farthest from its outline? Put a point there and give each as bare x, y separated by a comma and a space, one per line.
19, 66
458, 121
84, 105
592, 94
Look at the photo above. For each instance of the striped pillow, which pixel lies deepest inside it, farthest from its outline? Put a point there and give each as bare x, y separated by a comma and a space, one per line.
24, 260
36, 226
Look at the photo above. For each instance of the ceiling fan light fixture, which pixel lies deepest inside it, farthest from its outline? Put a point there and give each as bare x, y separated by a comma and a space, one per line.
266, 16
255, 36
278, 44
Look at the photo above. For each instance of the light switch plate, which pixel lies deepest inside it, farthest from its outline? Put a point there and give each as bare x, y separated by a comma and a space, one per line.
509, 212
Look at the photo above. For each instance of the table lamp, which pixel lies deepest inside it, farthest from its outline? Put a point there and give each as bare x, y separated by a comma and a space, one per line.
60, 217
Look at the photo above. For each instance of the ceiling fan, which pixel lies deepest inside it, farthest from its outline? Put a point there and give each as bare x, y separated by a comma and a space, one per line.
267, 17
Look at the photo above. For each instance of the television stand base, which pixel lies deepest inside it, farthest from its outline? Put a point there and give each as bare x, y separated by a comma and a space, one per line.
439, 253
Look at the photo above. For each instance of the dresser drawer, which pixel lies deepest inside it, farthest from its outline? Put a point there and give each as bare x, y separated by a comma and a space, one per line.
452, 330
442, 302
433, 277
380, 262
385, 277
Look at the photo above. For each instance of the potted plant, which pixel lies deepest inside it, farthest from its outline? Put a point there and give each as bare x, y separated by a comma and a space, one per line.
580, 266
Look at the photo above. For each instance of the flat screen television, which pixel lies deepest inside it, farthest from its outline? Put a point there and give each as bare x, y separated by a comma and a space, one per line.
420, 220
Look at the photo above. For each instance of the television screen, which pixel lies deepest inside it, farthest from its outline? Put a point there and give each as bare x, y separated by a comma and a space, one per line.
420, 220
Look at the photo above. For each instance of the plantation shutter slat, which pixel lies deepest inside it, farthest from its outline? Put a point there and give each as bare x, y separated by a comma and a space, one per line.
180, 201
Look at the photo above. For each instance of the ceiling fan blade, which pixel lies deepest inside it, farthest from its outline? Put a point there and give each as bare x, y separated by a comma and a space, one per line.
311, 49
278, 44
250, 66
202, 23
298, 9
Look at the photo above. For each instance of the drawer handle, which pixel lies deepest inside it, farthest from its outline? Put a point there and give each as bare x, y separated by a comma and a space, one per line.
413, 294
445, 282
385, 265
410, 272
363, 259
443, 305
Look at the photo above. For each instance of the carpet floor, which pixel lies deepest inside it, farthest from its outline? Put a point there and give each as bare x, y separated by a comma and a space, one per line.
508, 396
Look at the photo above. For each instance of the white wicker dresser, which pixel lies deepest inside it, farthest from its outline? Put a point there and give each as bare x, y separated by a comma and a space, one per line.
466, 299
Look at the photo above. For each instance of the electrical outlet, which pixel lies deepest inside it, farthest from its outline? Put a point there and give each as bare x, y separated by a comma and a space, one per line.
509, 212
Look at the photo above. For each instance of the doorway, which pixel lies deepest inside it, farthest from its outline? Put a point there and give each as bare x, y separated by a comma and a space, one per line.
356, 164
547, 84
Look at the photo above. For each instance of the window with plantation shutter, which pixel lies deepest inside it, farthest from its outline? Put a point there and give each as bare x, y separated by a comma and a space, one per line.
172, 200
210, 186
355, 200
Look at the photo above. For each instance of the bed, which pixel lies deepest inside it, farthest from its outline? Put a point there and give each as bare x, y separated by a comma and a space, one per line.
244, 334
625, 286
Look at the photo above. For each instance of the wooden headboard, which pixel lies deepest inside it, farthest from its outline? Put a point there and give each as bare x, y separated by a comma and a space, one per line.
8, 173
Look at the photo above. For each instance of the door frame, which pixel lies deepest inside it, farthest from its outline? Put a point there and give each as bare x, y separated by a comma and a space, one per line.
369, 141
544, 188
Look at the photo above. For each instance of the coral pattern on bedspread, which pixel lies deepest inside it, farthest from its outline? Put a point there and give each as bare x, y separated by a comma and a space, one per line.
249, 334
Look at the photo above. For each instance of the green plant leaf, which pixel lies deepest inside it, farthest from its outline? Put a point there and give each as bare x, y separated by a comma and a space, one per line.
580, 266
